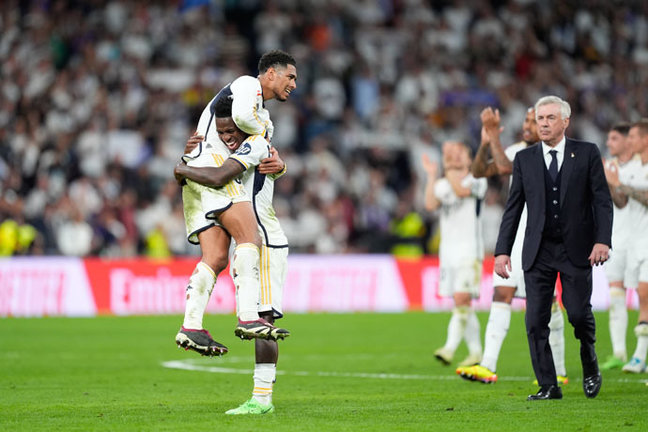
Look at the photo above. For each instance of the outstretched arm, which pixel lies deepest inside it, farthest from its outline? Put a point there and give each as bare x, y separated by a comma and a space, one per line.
209, 176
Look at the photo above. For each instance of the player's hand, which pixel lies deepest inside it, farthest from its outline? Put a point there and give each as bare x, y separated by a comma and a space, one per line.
503, 266
431, 167
273, 164
611, 169
490, 120
177, 173
600, 254
193, 142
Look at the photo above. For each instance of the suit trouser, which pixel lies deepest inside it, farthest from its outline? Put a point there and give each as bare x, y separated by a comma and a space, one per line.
576, 282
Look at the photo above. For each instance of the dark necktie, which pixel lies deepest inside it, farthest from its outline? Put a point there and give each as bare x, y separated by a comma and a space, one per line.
553, 166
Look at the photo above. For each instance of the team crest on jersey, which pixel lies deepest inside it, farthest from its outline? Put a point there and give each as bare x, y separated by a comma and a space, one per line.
244, 149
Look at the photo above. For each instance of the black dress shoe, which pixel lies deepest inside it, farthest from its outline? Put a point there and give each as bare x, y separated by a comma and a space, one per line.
546, 393
592, 385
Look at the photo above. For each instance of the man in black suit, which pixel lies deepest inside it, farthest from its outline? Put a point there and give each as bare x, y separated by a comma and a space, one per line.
569, 229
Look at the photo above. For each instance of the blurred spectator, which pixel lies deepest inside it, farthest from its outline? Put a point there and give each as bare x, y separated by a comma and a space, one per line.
97, 98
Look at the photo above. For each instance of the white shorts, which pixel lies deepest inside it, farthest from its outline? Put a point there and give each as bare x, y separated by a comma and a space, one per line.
272, 275
274, 262
460, 279
616, 268
516, 279
202, 204
637, 270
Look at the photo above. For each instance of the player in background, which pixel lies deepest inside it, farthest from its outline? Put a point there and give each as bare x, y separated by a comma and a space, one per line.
499, 318
258, 181
276, 80
616, 267
458, 195
633, 193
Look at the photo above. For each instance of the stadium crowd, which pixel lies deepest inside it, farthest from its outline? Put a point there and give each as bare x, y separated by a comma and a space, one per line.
98, 98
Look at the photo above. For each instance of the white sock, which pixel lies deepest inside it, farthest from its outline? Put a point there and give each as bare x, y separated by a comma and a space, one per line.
264, 378
201, 284
618, 322
557, 338
641, 331
472, 334
499, 321
456, 328
246, 279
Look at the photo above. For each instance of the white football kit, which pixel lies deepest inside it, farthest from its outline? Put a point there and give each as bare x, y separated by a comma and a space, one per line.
274, 251
638, 246
461, 251
202, 203
622, 228
516, 275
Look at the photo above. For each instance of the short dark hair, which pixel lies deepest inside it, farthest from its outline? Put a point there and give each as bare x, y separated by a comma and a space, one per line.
275, 58
223, 107
623, 128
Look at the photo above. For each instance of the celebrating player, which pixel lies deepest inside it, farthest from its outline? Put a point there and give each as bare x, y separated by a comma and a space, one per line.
616, 268
633, 192
231, 207
458, 194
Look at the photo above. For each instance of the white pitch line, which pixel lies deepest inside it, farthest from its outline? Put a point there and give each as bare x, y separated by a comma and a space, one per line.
190, 365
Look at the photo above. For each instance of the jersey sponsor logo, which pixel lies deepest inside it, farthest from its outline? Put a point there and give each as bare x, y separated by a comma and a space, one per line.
245, 148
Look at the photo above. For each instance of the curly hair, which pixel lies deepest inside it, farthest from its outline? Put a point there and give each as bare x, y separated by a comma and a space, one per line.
275, 58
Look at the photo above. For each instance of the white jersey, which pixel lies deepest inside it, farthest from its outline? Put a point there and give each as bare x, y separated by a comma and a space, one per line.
260, 188
461, 230
637, 177
622, 228
248, 112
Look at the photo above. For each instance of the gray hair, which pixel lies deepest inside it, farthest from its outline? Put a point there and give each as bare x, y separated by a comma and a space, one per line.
565, 109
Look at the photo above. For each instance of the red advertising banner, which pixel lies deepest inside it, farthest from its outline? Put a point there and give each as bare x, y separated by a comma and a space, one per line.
58, 286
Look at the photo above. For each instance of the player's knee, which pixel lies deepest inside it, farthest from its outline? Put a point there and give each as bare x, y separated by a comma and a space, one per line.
217, 261
503, 294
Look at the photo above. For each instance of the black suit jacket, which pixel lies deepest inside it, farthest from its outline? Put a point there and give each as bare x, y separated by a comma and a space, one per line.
585, 203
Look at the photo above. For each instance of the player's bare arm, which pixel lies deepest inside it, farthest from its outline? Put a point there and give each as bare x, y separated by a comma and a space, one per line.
491, 123
209, 176
611, 169
481, 165
432, 170
640, 195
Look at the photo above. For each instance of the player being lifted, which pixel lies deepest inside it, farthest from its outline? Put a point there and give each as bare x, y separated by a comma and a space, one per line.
248, 152
213, 214
505, 289
458, 195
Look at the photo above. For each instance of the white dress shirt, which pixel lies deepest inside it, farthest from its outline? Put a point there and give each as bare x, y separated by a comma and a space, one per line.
560, 155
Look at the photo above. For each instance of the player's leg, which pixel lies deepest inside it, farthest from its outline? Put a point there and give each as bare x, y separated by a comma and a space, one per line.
499, 320
214, 243
618, 326
557, 341
240, 222
615, 270
471, 285
273, 274
458, 319
637, 363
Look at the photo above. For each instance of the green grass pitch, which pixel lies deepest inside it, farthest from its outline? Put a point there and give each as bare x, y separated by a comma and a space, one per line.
338, 372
